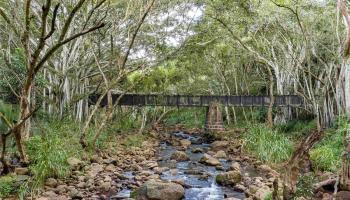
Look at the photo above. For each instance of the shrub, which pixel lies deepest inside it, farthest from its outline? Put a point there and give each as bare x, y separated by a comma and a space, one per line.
305, 186
48, 156
50, 148
267, 144
7, 186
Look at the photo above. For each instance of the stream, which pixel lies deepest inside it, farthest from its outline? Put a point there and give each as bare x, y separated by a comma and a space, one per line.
199, 178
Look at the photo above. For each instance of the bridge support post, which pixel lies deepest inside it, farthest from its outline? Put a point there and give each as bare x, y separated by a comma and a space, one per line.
214, 121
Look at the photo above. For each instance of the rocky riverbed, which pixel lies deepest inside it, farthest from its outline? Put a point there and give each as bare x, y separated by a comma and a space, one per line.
170, 166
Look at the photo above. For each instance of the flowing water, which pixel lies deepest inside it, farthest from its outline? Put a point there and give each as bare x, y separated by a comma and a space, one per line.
199, 178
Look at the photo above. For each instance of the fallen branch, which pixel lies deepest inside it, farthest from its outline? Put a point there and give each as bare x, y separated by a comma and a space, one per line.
328, 182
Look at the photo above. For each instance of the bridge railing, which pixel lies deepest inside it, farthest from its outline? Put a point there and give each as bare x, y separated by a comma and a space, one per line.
189, 100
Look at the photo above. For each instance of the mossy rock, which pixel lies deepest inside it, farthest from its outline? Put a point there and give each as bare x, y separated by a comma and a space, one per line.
229, 178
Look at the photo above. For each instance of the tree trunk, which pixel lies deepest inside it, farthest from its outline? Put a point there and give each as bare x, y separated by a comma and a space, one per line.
272, 99
345, 168
292, 167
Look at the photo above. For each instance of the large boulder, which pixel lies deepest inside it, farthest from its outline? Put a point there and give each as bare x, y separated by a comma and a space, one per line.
219, 145
156, 190
179, 156
209, 160
229, 178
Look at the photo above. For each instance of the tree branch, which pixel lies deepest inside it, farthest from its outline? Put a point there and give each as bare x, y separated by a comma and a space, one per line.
41, 44
53, 22
344, 11
131, 44
70, 19
8, 21
53, 49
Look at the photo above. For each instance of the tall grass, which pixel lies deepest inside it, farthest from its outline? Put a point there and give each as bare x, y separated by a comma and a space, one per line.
50, 147
297, 128
268, 145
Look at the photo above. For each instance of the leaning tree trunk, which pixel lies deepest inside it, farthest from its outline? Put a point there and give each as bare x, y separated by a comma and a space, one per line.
22, 131
292, 167
272, 99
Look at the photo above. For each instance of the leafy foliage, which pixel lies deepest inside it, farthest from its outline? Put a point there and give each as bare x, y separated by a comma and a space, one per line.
305, 185
10, 112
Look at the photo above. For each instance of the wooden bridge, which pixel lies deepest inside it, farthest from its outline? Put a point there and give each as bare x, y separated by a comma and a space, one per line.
214, 121
198, 101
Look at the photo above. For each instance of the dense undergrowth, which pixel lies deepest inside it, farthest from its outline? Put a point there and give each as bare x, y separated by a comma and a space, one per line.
188, 117
52, 143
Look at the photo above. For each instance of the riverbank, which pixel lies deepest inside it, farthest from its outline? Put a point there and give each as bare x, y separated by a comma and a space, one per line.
205, 167
114, 175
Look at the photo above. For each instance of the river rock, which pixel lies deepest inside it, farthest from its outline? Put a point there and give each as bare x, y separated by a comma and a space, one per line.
61, 189
75, 194
179, 156
160, 170
219, 145
239, 188
110, 168
21, 171
106, 186
220, 154
94, 170
229, 178
267, 170
50, 194
151, 164
262, 192
74, 163
51, 182
235, 166
156, 190
209, 160
96, 159
185, 143
197, 150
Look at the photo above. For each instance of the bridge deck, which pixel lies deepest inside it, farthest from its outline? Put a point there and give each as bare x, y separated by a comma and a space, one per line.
199, 101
